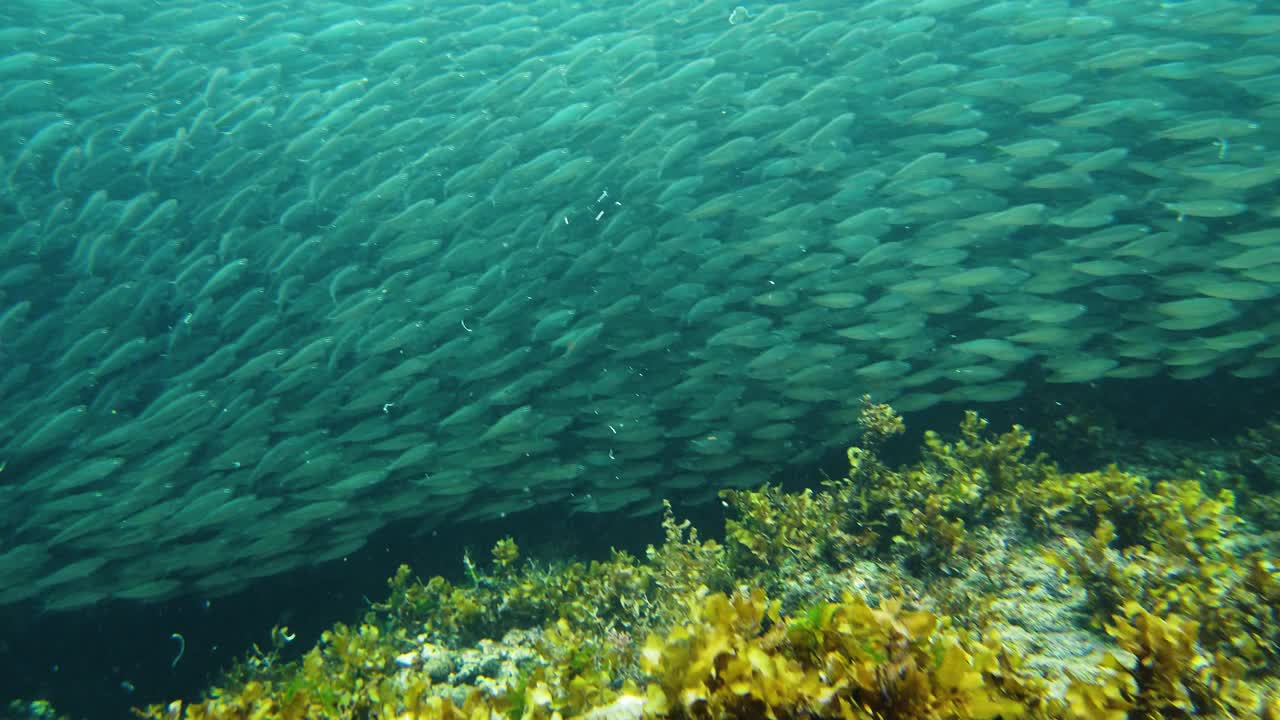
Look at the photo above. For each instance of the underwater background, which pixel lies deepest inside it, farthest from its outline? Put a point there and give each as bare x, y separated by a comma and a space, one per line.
294, 293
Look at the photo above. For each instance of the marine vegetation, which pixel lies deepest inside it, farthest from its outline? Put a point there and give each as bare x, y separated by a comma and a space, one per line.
1258, 456
859, 600
30, 709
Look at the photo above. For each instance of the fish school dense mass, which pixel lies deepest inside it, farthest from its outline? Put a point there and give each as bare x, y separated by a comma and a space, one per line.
274, 275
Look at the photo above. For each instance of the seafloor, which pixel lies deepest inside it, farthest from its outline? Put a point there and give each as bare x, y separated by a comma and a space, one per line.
979, 581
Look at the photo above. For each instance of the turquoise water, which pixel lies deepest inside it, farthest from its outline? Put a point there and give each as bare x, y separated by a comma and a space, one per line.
276, 275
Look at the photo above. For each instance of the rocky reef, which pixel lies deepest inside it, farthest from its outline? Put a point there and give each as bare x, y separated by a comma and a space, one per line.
978, 582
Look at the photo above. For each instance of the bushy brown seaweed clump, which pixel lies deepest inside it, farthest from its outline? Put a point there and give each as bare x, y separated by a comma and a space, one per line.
877, 596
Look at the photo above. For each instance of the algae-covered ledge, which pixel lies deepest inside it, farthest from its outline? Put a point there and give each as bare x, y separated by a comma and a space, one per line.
979, 582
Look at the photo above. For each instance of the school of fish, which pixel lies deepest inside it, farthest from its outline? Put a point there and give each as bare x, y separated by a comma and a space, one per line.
275, 275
